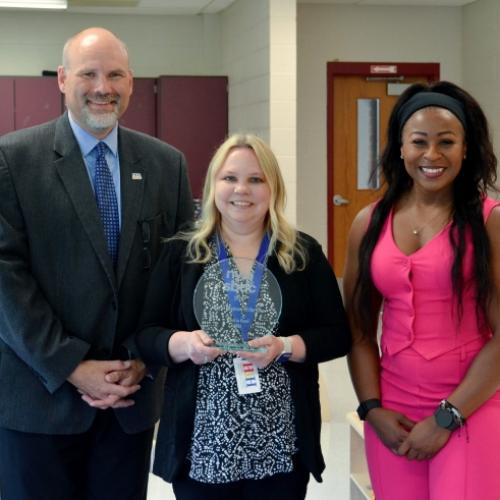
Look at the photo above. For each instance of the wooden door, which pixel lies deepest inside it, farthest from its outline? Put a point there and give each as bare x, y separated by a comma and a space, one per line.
349, 185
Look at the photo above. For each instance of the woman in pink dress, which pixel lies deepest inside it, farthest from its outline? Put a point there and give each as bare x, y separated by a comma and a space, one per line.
427, 255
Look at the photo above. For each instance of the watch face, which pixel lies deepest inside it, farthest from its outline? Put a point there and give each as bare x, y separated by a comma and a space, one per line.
444, 418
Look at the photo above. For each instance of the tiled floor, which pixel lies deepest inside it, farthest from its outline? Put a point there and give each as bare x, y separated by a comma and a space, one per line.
335, 485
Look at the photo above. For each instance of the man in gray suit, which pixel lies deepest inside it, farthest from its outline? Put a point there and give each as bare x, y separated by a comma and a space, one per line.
77, 407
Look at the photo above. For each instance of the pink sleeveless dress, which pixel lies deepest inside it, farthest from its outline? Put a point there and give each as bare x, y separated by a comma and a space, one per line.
426, 352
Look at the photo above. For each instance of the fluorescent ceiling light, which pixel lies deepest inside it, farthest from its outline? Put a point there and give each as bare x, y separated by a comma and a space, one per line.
34, 4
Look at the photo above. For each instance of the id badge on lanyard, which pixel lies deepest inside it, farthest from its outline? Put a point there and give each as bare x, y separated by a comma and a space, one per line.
247, 374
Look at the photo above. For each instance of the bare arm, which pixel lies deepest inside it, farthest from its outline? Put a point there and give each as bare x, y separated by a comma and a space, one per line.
364, 359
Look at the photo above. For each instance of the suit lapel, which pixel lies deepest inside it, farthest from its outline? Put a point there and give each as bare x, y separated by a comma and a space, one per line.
73, 173
132, 179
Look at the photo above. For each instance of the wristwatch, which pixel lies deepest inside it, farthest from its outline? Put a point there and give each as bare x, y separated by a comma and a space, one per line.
448, 416
285, 354
365, 406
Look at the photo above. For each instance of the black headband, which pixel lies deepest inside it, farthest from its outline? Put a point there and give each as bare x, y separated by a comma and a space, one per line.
426, 99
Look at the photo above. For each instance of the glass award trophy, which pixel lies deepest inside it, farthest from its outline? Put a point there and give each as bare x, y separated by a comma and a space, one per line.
237, 300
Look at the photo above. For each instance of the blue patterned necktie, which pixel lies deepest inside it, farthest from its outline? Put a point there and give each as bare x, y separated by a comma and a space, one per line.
106, 201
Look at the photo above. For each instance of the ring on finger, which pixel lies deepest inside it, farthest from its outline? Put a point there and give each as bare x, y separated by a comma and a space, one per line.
205, 360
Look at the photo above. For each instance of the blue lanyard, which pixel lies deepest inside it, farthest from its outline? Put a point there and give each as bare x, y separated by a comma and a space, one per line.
244, 321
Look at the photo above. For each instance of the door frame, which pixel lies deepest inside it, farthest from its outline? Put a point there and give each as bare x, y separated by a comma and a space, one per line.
373, 69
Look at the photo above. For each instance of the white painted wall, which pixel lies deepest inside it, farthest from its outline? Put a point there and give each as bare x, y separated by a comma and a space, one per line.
358, 33
259, 57
481, 59
283, 94
158, 45
246, 60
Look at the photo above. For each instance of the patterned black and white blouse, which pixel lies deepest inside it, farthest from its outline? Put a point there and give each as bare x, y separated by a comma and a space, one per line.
249, 436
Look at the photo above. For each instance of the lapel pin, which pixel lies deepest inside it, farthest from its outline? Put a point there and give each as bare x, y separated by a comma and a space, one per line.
136, 176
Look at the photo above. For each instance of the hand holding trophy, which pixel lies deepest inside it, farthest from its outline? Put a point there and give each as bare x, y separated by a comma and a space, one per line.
251, 303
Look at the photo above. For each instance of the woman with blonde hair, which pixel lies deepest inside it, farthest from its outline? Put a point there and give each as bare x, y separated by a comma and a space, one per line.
219, 438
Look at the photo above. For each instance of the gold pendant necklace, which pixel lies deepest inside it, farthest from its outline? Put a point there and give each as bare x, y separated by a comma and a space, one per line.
416, 230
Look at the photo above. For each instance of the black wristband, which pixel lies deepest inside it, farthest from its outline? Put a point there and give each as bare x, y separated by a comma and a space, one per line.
365, 406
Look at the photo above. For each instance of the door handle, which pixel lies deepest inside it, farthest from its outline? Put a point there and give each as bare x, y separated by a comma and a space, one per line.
339, 200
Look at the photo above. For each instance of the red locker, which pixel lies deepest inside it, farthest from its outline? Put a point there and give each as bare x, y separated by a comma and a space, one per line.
36, 100
193, 117
141, 112
6, 104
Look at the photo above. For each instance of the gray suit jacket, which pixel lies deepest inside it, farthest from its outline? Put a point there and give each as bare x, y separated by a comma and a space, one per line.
60, 299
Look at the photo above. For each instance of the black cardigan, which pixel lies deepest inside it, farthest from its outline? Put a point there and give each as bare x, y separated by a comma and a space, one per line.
312, 307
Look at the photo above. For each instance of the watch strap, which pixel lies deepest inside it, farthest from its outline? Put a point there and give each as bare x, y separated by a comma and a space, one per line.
367, 405
455, 419
286, 352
